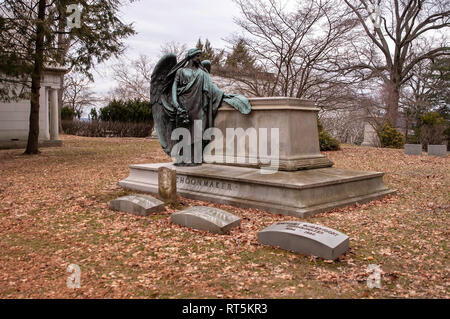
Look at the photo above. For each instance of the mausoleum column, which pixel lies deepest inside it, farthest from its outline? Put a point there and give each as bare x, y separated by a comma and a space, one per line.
53, 94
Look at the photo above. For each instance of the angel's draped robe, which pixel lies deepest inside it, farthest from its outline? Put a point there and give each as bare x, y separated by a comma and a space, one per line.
196, 93
195, 90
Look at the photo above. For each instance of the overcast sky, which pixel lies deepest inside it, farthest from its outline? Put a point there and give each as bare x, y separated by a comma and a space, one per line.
161, 21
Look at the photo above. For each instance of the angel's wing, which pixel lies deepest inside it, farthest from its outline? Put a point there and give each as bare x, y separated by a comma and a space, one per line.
158, 82
159, 99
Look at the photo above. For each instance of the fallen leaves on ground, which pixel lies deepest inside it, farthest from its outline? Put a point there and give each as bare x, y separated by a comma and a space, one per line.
54, 211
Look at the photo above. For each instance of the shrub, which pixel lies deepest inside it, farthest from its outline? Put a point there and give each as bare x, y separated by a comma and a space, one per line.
391, 137
136, 111
67, 114
119, 118
326, 141
107, 129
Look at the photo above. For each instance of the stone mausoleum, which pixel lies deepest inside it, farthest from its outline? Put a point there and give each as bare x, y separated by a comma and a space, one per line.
14, 116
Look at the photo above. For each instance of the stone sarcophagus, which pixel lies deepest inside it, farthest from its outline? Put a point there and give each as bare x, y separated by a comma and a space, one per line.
287, 126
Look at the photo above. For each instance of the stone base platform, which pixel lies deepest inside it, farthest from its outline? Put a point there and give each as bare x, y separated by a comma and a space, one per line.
300, 193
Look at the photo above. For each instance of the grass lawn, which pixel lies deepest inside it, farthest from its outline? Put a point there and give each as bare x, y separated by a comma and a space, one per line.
54, 212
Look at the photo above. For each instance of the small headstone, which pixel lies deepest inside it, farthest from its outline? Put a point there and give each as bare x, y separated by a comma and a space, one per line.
305, 238
210, 219
167, 184
437, 150
413, 149
141, 205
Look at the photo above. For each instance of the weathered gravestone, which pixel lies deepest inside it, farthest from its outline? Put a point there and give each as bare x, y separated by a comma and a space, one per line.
210, 219
413, 149
370, 135
141, 205
437, 150
167, 184
305, 238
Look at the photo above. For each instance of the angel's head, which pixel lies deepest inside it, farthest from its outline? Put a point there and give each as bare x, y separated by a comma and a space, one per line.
194, 55
193, 52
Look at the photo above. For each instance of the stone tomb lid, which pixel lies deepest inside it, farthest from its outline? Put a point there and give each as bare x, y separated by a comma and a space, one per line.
141, 205
206, 218
305, 238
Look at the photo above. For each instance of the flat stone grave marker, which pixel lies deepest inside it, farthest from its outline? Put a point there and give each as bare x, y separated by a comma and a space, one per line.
305, 238
437, 150
413, 149
141, 205
210, 219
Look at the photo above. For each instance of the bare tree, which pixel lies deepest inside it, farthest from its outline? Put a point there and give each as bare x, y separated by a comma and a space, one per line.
401, 34
293, 47
427, 87
179, 49
252, 82
77, 93
133, 78
345, 125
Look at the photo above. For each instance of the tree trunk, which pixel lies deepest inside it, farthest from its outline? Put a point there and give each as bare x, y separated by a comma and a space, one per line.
392, 102
33, 134
393, 107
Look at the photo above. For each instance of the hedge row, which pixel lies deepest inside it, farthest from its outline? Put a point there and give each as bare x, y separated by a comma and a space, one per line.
107, 129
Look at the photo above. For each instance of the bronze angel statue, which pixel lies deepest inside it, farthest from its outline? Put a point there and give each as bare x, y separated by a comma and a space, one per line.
182, 93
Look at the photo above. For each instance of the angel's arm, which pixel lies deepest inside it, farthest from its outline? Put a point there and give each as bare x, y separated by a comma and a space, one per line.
181, 112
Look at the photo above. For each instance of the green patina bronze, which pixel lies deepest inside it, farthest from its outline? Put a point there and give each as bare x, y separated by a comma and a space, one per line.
183, 92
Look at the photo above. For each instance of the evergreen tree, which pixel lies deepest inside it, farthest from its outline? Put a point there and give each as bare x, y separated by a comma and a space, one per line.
439, 94
93, 115
208, 52
199, 44
240, 57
